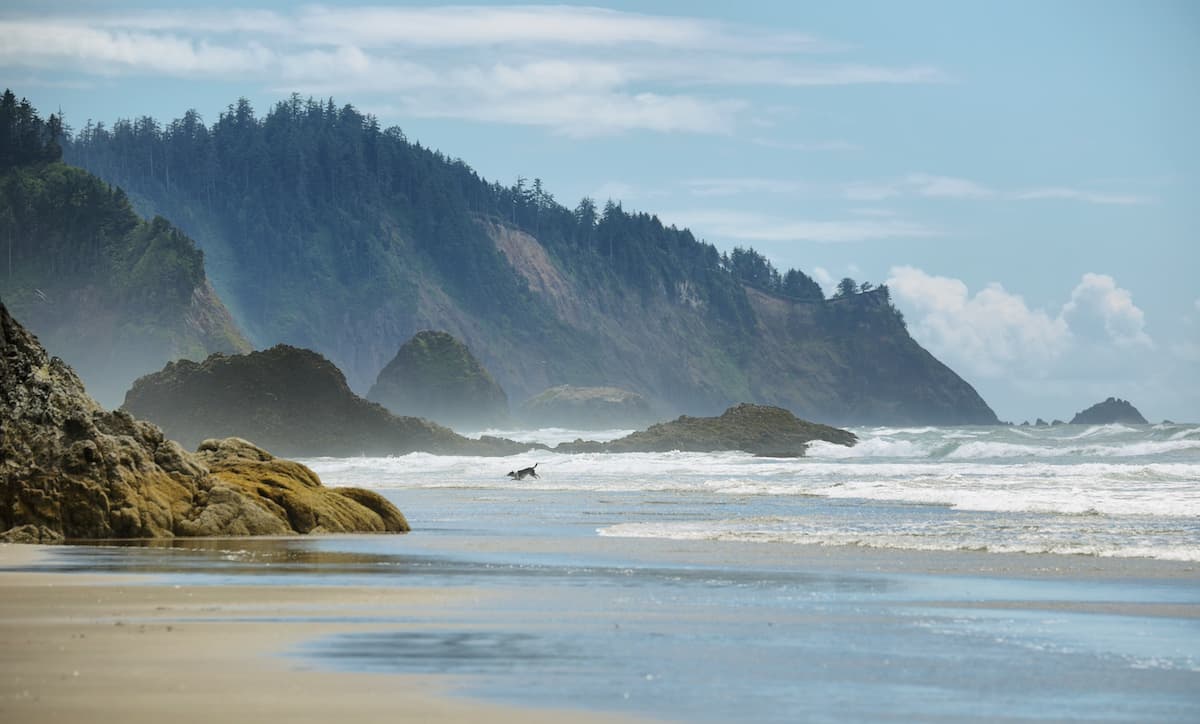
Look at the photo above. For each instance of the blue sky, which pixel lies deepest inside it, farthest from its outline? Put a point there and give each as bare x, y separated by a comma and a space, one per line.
1025, 175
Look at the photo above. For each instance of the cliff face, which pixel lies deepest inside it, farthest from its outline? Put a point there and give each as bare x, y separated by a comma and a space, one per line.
347, 256
290, 400
436, 377
68, 468
113, 294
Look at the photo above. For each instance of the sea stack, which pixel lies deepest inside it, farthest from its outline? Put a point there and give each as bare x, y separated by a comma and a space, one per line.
436, 377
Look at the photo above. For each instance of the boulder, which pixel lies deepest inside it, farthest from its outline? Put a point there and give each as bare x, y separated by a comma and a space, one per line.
1110, 411
292, 401
586, 408
436, 377
70, 469
759, 429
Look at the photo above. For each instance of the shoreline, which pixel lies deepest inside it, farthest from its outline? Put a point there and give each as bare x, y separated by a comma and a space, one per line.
99, 647
130, 646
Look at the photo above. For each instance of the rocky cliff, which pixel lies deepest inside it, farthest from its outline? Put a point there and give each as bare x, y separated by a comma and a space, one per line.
290, 400
69, 468
435, 376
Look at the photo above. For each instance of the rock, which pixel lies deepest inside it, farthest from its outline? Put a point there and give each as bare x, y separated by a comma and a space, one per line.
1108, 412
758, 429
297, 498
29, 533
586, 408
292, 401
436, 377
1041, 423
70, 469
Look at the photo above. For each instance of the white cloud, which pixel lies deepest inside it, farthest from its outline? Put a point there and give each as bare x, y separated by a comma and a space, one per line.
995, 334
1101, 310
578, 71
933, 186
615, 190
825, 279
740, 226
742, 185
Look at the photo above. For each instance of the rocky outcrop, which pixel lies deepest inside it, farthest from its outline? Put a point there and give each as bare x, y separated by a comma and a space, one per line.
292, 401
436, 377
70, 468
758, 429
586, 408
1108, 412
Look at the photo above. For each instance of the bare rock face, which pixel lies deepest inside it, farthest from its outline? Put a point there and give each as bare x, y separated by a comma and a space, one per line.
70, 468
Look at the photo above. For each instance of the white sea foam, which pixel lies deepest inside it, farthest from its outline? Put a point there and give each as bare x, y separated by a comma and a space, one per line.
1101, 485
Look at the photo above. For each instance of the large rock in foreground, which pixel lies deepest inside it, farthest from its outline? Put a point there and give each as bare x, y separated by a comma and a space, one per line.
292, 401
436, 377
758, 429
1108, 412
70, 469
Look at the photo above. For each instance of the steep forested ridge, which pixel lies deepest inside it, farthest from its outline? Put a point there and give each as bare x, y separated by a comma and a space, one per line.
325, 231
116, 295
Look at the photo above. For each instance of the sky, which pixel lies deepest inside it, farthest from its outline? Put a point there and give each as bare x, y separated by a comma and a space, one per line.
1025, 176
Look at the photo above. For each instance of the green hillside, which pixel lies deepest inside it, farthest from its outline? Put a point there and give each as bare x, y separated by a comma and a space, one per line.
114, 294
323, 230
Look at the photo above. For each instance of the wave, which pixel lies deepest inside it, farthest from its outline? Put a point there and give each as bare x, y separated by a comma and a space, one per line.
796, 532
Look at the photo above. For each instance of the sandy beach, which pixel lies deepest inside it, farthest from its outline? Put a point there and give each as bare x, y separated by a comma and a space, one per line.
80, 647
467, 626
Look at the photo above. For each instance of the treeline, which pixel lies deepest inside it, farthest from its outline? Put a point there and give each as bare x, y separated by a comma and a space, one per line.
62, 228
312, 185
24, 137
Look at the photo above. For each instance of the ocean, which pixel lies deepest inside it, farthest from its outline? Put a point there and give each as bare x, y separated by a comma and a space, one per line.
1110, 490
927, 574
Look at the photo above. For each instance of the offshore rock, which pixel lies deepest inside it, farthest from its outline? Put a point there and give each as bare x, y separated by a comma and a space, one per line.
1110, 411
292, 401
759, 429
70, 469
436, 377
586, 408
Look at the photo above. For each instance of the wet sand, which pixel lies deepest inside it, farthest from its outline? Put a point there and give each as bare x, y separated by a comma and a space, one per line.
135, 648
78, 647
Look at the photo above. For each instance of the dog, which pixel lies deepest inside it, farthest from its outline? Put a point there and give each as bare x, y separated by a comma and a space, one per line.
524, 473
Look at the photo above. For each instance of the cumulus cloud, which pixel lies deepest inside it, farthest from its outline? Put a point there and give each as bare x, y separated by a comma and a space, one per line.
578, 71
1100, 310
993, 333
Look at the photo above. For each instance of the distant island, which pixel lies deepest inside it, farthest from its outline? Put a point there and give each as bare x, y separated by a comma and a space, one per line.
1109, 411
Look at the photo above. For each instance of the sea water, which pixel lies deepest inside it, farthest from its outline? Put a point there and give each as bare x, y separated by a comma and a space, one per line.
685, 587
1110, 490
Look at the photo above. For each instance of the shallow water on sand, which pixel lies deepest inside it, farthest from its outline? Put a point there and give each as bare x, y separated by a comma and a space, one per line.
719, 587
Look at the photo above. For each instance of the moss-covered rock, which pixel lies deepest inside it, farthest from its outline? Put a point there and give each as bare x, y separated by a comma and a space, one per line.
758, 429
586, 408
69, 468
436, 377
1108, 412
290, 400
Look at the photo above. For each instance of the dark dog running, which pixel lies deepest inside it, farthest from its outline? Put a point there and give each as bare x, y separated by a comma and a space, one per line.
523, 473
